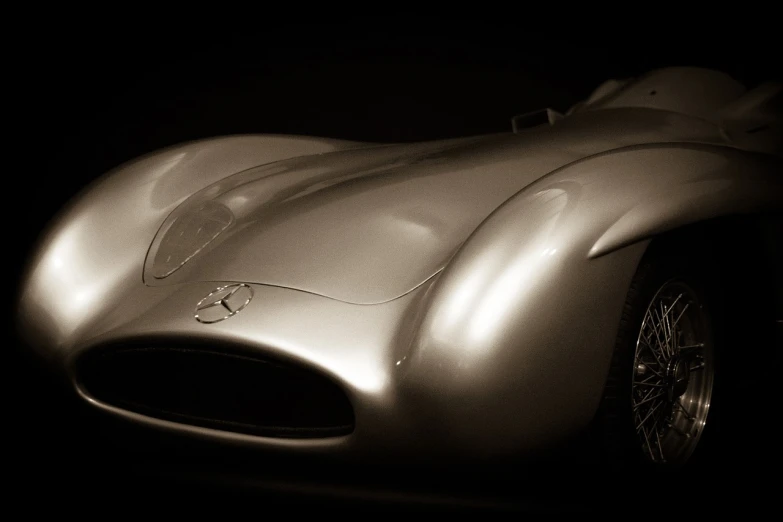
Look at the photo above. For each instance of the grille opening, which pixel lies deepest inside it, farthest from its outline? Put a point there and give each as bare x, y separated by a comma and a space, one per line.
218, 390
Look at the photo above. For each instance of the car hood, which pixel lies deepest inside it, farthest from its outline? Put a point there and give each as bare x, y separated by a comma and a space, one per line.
368, 225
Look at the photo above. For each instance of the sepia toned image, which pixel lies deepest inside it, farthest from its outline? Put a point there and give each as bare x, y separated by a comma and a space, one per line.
438, 270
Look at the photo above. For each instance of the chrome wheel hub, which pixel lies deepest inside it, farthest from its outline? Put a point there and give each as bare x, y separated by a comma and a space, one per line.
677, 377
673, 375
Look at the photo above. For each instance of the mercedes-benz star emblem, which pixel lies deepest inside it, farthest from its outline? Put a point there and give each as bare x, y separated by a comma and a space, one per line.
223, 302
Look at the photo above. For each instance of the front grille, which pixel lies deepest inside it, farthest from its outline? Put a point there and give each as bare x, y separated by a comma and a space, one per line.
214, 389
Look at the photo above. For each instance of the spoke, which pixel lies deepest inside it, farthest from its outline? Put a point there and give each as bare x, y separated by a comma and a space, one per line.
679, 431
692, 346
658, 415
649, 446
649, 412
674, 331
650, 349
674, 303
692, 350
660, 449
671, 307
649, 325
644, 395
642, 383
665, 325
654, 429
648, 399
684, 411
681, 313
647, 367
656, 331
648, 378
647, 339
698, 367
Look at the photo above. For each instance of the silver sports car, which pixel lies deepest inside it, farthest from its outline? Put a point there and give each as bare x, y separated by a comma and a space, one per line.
608, 269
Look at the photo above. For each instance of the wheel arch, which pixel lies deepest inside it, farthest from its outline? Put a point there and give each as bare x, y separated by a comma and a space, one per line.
744, 254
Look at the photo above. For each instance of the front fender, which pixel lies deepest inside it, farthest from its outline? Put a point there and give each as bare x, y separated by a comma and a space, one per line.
512, 346
93, 252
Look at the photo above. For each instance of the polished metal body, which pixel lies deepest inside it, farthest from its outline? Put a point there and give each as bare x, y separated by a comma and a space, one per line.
465, 294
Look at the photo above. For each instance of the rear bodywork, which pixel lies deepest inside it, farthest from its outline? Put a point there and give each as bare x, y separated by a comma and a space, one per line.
462, 296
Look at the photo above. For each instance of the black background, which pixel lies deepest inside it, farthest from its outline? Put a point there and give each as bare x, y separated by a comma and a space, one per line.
93, 95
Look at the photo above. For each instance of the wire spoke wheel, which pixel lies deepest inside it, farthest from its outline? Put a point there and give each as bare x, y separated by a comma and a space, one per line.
673, 373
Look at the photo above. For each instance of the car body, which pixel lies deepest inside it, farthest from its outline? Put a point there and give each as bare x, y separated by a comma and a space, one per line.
453, 297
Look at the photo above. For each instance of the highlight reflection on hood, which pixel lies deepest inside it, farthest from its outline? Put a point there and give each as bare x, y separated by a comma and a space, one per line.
188, 234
